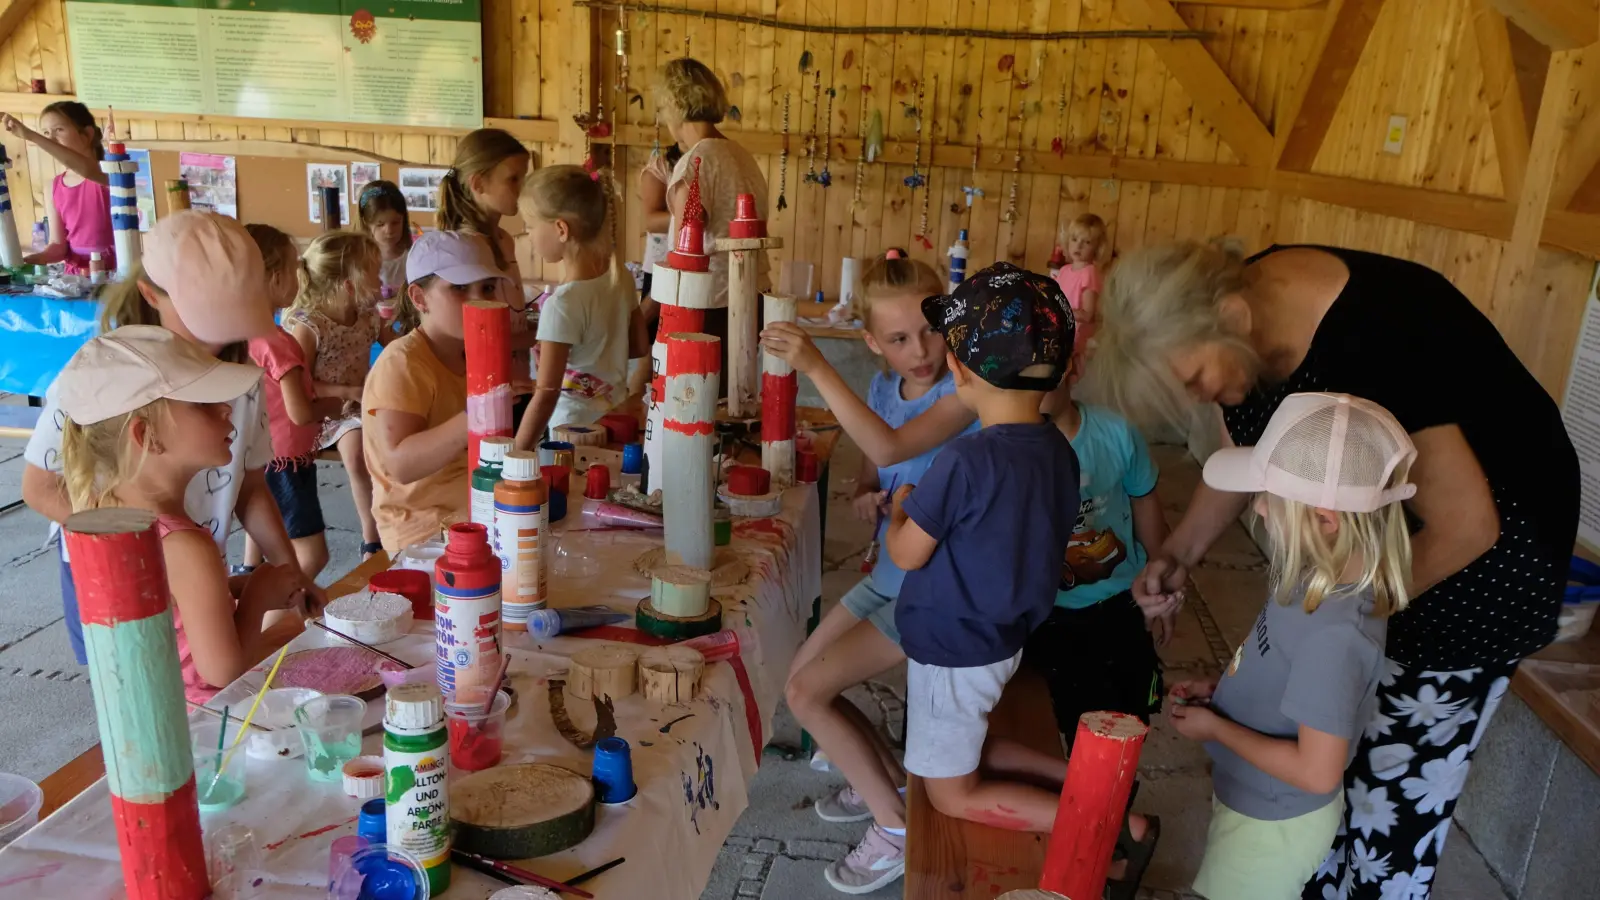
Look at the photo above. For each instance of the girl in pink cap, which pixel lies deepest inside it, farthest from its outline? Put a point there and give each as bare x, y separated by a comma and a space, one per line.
203, 279
79, 202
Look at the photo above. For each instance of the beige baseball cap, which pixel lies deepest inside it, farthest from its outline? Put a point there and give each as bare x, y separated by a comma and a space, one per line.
136, 365
1332, 451
212, 269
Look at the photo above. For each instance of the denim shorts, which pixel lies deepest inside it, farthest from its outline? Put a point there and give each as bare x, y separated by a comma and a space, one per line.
864, 602
294, 486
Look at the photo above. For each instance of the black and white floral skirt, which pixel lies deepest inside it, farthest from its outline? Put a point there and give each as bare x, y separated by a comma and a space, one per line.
1402, 786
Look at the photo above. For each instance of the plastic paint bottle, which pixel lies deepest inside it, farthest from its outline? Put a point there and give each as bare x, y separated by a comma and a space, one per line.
466, 617
521, 524
491, 453
958, 260
416, 757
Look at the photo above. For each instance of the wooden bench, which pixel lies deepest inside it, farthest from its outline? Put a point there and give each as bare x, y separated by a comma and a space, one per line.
952, 858
18, 421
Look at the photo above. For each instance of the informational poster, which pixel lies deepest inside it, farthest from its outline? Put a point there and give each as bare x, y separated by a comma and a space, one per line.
421, 188
1581, 410
213, 182
144, 189
402, 62
323, 175
361, 175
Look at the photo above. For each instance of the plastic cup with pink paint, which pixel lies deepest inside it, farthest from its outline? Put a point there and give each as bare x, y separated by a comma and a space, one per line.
20, 800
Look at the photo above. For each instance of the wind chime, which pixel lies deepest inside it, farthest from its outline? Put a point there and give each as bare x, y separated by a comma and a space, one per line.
811, 139
825, 177
783, 159
1058, 144
917, 180
972, 191
866, 145
1010, 215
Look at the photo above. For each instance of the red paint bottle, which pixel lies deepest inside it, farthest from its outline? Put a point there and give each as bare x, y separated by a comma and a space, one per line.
466, 620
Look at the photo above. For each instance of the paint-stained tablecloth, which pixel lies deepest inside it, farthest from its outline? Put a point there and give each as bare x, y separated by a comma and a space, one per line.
692, 776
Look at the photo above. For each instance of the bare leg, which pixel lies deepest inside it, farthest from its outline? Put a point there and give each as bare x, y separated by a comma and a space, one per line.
834, 623
886, 757
1002, 804
355, 465
311, 552
252, 553
858, 654
1009, 757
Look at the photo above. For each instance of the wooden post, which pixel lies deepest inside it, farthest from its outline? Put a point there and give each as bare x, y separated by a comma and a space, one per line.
693, 364
10, 244
779, 386
124, 602
674, 319
1105, 758
119, 170
487, 327
747, 239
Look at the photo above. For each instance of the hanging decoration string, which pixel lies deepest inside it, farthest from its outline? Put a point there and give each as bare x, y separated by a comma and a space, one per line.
783, 158
825, 177
861, 157
898, 30
1010, 214
811, 139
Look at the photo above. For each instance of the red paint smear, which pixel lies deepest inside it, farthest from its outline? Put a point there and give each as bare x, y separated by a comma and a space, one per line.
119, 577
689, 428
40, 872
777, 406
693, 354
997, 819
753, 528
160, 845
310, 834
680, 318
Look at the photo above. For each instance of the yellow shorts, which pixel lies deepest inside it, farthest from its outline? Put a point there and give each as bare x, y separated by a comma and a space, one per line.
1256, 859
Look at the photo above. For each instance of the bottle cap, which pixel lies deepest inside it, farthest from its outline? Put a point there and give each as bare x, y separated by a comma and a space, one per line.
544, 623
417, 706
467, 546
520, 465
597, 482
493, 449
962, 235
373, 820
364, 778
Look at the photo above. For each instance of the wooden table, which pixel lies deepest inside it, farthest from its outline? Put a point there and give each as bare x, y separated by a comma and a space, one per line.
1561, 683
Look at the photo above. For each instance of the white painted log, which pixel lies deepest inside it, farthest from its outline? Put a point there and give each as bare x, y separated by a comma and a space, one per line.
128, 250
609, 670
777, 401
696, 290
744, 328
680, 591
670, 674
688, 424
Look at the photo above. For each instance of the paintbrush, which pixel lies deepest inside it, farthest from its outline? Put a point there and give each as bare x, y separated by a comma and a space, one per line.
211, 712
597, 870
361, 644
255, 705
480, 867
524, 874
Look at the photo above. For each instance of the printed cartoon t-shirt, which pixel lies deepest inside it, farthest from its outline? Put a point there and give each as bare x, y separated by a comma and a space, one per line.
1114, 467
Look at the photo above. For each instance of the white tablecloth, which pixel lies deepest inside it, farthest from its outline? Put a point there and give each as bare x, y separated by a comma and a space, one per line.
692, 779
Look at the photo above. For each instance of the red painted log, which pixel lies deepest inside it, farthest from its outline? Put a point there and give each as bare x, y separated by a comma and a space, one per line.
487, 327
1100, 773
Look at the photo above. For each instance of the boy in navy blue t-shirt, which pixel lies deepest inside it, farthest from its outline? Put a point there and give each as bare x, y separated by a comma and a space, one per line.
981, 537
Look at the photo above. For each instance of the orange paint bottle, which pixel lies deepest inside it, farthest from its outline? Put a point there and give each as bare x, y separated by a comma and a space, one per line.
521, 526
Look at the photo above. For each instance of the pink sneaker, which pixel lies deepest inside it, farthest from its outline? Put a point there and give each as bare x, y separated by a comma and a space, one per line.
844, 805
879, 859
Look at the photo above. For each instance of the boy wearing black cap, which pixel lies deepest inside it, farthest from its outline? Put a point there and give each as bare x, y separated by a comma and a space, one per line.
981, 538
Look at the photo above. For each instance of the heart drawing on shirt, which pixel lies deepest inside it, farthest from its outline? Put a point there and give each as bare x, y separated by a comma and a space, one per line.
52, 460
61, 420
210, 525
217, 479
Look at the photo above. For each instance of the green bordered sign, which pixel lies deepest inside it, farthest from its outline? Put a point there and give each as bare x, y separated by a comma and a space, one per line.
389, 62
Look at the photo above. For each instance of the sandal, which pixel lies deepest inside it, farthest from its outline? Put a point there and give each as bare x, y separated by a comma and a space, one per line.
368, 550
1138, 854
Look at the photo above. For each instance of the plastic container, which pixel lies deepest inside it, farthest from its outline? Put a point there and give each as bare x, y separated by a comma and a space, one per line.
491, 455
213, 791
466, 617
375, 872
277, 713
423, 557
20, 800
548, 623
613, 771
330, 728
416, 753
370, 821
411, 584
521, 527
477, 739
1575, 620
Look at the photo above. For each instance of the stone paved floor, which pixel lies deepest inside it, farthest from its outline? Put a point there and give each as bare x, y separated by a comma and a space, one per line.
779, 847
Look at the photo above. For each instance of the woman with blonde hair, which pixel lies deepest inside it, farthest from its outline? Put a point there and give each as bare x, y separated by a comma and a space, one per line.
692, 104
1494, 516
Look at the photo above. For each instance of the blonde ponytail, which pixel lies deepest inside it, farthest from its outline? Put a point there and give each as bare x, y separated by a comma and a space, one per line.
619, 272
330, 261
123, 303
97, 459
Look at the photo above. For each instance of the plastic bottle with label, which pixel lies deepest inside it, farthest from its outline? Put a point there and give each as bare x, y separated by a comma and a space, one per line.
491, 453
521, 528
466, 611
416, 758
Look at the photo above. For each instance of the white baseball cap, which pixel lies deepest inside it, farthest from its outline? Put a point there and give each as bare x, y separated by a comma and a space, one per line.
136, 365
1332, 451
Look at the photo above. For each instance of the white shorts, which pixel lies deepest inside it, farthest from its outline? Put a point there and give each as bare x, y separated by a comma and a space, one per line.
947, 715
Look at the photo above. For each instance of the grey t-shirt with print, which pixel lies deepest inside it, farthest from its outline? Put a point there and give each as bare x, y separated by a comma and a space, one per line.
1318, 669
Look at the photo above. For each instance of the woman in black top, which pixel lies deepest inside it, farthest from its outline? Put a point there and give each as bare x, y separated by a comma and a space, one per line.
1495, 514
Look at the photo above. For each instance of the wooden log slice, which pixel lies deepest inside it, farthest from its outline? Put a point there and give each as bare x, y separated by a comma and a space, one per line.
682, 592
519, 812
609, 670
653, 622
671, 674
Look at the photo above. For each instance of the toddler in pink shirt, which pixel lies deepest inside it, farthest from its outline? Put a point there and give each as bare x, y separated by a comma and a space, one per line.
1081, 280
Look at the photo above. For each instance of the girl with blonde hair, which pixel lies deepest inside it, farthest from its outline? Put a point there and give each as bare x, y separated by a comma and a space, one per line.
335, 322
1283, 722
910, 412
590, 326
1497, 485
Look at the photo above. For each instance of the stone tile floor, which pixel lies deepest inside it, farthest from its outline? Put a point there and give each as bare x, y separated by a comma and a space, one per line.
779, 847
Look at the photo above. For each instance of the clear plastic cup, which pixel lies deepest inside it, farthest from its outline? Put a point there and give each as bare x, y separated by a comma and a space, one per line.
277, 713
477, 739
218, 791
233, 863
330, 727
20, 800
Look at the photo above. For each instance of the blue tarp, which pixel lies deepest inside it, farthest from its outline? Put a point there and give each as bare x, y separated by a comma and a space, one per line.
38, 335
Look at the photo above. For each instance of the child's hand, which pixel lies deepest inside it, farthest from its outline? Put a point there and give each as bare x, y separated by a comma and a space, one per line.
898, 513
1162, 627
15, 126
275, 587
790, 343
1158, 588
869, 506
1197, 723
1192, 690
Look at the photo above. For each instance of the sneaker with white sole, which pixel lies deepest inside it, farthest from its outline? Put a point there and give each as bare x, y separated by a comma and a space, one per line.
845, 805
879, 859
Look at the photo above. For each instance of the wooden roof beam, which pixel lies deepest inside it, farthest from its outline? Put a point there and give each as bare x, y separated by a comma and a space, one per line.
1507, 117
12, 12
1216, 98
1345, 29
1558, 24
1275, 5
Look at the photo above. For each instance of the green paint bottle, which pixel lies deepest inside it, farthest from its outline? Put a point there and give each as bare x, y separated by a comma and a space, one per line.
491, 457
416, 756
